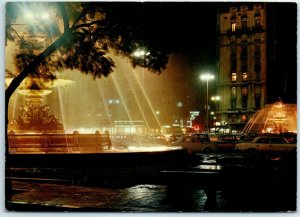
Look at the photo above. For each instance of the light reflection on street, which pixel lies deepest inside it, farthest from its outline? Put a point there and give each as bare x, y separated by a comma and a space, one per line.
152, 148
209, 167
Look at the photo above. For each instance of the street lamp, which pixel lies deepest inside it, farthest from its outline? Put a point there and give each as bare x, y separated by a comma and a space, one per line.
141, 54
207, 77
216, 100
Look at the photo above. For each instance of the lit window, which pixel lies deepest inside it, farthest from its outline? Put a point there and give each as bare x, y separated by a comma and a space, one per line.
244, 118
233, 77
233, 27
244, 97
245, 76
245, 91
233, 92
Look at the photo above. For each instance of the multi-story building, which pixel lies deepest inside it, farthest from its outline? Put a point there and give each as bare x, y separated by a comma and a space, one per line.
242, 64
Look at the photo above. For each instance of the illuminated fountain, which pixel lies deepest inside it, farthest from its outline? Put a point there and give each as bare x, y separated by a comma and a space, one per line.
35, 117
35, 130
273, 118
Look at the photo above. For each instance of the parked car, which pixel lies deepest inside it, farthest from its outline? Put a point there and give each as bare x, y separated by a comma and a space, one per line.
174, 137
227, 142
204, 137
266, 144
232, 138
213, 137
194, 144
159, 139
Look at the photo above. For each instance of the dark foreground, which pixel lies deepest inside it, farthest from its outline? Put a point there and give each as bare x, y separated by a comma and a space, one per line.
152, 182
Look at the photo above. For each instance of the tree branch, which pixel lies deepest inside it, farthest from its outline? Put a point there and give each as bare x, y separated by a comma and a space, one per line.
87, 24
78, 18
15, 32
64, 16
32, 65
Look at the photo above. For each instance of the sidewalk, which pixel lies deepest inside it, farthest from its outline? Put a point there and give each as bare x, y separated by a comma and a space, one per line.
64, 197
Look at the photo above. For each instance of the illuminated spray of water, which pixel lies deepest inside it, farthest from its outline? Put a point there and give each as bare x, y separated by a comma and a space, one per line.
273, 118
16, 97
142, 88
131, 74
122, 97
61, 104
104, 99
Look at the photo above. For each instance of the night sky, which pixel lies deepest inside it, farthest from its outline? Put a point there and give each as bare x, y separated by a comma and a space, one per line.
189, 28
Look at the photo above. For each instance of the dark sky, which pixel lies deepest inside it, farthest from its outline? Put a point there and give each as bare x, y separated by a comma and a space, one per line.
190, 28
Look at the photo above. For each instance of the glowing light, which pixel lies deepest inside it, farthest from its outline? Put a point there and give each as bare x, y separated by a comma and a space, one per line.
152, 148
29, 15
273, 118
35, 16
269, 130
141, 53
215, 98
45, 16
206, 77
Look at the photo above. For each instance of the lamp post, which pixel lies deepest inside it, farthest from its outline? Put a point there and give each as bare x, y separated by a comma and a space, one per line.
207, 77
215, 100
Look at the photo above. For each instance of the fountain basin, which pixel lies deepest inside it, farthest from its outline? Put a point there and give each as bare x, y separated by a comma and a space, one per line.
33, 143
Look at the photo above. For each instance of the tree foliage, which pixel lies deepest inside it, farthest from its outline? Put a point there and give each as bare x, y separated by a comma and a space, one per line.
78, 36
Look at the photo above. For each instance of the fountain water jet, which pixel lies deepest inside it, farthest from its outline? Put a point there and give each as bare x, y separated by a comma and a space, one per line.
273, 118
137, 85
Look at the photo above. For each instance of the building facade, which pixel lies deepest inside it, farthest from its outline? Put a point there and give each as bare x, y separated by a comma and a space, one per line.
242, 64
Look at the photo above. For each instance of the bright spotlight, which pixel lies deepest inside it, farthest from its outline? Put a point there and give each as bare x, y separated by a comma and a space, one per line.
45, 16
207, 77
140, 53
29, 15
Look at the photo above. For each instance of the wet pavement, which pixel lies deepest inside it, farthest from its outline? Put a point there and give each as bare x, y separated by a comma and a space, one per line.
139, 198
59, 194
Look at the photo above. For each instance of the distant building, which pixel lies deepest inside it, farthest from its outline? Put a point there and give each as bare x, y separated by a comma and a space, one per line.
242, 64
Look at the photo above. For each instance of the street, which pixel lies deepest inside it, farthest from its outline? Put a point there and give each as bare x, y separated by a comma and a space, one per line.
232, 191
